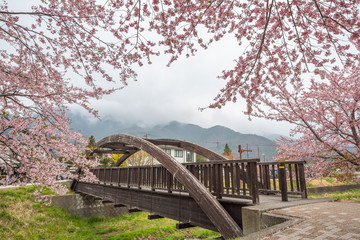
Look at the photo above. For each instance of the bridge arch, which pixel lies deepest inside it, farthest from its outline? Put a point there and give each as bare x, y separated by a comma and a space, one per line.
209, 154
126, 144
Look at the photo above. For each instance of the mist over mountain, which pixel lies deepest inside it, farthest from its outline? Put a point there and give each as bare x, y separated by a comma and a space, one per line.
213, 138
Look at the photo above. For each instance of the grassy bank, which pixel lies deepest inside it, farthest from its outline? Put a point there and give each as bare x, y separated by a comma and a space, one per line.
21, 217
329, 181
352, 195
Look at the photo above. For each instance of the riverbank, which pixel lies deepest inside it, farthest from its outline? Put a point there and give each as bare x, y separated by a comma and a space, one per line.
22, 217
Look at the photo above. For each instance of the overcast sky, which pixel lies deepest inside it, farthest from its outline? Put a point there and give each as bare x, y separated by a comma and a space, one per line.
163, 94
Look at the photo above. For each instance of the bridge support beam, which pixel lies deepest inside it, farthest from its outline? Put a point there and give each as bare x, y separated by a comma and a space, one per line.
180, 207
184, 225
154, 216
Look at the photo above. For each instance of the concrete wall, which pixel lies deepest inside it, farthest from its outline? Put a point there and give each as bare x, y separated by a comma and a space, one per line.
254, 219
339, 188
85, 206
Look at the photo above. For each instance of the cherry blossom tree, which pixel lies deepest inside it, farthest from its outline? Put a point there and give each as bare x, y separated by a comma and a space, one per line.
44, 46
39, 47
327, 119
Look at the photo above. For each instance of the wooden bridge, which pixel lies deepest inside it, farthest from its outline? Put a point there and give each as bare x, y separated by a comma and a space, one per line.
207, 194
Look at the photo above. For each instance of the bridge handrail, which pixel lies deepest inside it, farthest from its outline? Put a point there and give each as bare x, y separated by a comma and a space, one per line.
291, 162
233, 178
282, 177
248, 160
195, 163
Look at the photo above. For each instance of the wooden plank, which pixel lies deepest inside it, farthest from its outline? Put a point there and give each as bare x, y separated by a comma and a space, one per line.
154, 216
273, 175
267, 175
261, 174
244, 177
119, 205
232, 180
297, 177
237, 178
253, 182
133, 210
227, 178
139, 178
169, 181
291, 178
217, 181
118, 180
302, 181
111, 173
184, 225
152, 178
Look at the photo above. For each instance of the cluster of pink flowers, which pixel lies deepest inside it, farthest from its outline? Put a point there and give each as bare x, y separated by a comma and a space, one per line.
327, 120
41, 46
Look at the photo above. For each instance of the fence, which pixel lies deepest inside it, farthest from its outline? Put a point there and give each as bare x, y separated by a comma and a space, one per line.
282, 177
233, 178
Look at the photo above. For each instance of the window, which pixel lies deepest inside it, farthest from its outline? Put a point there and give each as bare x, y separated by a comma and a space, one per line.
189, 157
168, 151
179, 153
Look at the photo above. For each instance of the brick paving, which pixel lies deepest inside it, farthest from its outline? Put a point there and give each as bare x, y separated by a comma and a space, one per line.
327, 220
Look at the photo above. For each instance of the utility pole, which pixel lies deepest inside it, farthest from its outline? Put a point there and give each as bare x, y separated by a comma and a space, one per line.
217, 145
243, 150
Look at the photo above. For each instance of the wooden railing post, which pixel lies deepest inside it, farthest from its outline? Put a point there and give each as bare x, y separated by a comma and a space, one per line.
111, 170
98, 175
104, 176
128, 177
253, 181
218, 181
302, 180
139, 178
169, 181
118, 180
152, 178
282, 182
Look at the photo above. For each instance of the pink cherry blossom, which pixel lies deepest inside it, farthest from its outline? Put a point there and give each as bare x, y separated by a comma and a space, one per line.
326, 116
101, 41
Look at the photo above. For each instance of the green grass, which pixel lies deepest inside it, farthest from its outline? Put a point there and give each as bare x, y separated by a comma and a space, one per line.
329, 181
352, 195
21, 217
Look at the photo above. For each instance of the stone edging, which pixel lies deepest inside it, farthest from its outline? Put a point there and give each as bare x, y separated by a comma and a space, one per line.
257, 216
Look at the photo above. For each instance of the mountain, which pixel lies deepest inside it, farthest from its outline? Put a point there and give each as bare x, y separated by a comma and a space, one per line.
275, 137
213, 138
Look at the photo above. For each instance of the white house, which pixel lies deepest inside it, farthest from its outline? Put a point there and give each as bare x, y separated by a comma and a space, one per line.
181, 155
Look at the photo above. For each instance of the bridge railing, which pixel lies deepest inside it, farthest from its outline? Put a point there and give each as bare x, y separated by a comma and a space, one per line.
282, 177
233, 178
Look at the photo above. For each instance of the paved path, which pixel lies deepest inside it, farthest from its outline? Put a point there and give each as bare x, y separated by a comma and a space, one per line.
327, 220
